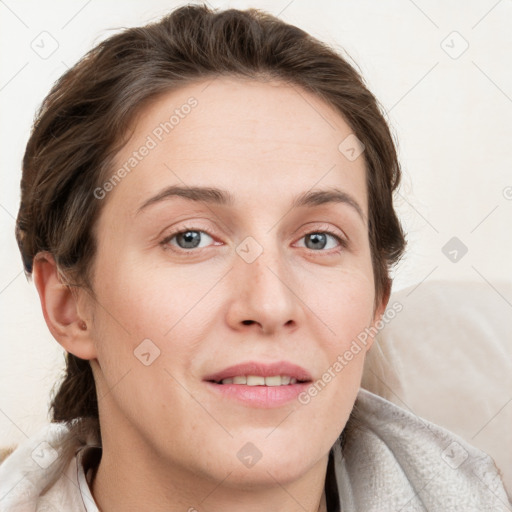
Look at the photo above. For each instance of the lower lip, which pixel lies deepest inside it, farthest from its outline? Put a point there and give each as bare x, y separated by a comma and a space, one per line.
263, 397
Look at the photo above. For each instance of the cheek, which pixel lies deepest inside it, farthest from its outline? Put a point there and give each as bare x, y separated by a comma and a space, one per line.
162, 304
149, 296
342, 297
345, 306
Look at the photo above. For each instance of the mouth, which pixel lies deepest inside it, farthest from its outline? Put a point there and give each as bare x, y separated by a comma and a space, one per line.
252, 373
260, 385
258, 380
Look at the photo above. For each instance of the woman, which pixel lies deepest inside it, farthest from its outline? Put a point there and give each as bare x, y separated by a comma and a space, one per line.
207, 213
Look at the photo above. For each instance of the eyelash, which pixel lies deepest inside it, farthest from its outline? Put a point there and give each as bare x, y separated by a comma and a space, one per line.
343, 244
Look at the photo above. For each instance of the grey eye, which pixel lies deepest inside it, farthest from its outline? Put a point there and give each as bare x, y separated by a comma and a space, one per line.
191, 239
318, 241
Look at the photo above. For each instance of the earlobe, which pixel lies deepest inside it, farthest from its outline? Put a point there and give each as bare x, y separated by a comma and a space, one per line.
386, 293
61, 310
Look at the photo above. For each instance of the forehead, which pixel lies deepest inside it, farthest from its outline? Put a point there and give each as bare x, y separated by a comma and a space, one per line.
250, 137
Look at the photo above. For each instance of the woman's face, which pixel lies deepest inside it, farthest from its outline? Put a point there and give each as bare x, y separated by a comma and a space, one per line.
259, 275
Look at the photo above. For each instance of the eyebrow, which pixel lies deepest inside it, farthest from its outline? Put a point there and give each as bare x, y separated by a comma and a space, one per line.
213, 195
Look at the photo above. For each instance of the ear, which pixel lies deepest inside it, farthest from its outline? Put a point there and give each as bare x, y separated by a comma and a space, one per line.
386, 292
380, 308
61, 309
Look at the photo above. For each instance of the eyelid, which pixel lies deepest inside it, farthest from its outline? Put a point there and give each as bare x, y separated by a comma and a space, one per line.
319, 227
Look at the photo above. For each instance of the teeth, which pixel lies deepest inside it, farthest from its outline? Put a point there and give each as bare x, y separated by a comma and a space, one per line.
273, 381
256, 380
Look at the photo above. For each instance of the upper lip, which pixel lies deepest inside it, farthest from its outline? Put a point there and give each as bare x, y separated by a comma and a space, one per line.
263, 370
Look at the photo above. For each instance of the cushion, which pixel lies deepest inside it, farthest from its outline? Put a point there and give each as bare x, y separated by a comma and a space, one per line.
445, 354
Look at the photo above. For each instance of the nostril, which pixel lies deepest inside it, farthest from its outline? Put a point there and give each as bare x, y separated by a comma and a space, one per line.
248, 322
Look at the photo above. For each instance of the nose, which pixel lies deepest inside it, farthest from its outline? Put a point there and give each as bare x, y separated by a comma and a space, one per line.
265, 295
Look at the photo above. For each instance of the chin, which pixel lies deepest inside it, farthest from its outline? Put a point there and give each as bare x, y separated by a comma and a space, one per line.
272, 463
265, 475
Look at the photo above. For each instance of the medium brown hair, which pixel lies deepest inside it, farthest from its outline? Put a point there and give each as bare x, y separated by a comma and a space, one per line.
84, 121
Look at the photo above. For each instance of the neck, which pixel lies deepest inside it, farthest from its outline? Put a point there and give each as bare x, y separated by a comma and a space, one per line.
138, 481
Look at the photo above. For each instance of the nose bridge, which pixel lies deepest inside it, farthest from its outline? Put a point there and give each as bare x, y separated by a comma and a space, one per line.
264, 284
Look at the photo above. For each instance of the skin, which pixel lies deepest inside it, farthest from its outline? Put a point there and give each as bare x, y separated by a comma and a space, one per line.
168, 442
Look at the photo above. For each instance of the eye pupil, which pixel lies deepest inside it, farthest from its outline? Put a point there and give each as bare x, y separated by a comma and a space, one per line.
191, 239
319, 240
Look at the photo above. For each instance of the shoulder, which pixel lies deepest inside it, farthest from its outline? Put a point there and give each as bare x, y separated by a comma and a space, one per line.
395, 460
37, 467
